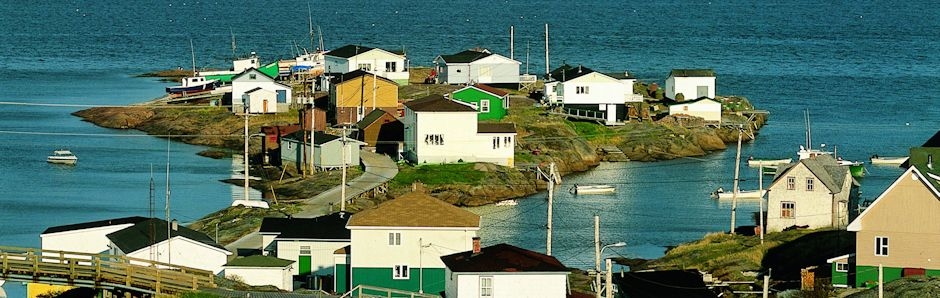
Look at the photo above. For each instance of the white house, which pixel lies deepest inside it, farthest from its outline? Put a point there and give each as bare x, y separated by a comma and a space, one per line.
311, 242
584, 91
476, 66
399, 243
259, 87
327, 150
148, 240
87, 237
813, 192
705, 108
504, 270
393, 66
692, 83
439, 130
261, 271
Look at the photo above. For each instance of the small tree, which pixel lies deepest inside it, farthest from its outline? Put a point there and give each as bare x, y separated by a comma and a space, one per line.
680, 97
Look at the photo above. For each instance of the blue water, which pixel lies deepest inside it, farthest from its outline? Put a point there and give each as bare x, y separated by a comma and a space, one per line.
866, 70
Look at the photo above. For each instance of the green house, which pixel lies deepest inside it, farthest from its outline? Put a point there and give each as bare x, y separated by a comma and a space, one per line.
492, 103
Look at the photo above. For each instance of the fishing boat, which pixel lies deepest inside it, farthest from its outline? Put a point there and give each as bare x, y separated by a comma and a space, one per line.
769, 170
756, 162
62, 156
592, 189
507, 203
720, 193
194, 84
888, 160
856, 168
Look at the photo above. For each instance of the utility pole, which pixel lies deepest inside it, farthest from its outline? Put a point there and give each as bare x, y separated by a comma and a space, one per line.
553, 177
760, 190
342, 205
609, 277
511, 42
766, 284
734, 195
597, 256
546, 50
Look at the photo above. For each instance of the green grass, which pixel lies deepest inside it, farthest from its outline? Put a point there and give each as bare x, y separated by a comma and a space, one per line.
590, 130
438, 174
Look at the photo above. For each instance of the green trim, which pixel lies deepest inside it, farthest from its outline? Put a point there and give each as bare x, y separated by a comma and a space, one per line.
867, 276
838, 277
382, 277
402, 82
473, 95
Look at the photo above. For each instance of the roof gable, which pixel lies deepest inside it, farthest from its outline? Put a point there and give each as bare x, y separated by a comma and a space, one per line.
374, 116
330, 226
700, 100
465, 56
437, 103
502, 258
415, 209
94, 224
253, 71
349, 51
140, 234
884, 200
355, 74
567, 72
825, 168
703, 72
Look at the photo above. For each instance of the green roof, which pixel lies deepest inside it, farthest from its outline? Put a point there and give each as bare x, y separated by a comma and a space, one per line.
692, 73
922, 158
270, 70
259, 261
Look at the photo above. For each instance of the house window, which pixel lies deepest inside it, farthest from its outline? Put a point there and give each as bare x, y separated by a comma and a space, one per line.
495, 142
391, 66
582, 90
485, 106
809, 184
842, 267
305, 250
791, 183
434, 139
365, 66
881, 246
400, 272
486, 286
507, 141
786, 209
252, 76
394, 239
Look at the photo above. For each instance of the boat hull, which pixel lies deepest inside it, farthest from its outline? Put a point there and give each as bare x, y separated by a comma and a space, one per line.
209, 86
592, 189
742, 195
62, 161
768, 162
888, 160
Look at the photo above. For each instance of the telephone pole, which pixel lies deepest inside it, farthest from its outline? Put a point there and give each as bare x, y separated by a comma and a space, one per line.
553, 177
734, 195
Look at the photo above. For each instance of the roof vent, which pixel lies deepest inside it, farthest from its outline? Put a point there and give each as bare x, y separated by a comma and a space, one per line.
930, 161
175, 225
579, 68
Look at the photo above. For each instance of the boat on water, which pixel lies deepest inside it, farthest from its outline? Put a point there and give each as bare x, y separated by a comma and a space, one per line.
720, 193
757, 162
592, 189
507, 203
888, 160
769, 170
62, 156
856, 168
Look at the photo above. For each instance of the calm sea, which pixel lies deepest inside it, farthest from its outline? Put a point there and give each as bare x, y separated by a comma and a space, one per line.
866, 71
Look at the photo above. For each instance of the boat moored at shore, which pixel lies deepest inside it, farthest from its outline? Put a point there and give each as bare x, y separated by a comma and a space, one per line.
592, 189
720, 193
888, 160
756, 162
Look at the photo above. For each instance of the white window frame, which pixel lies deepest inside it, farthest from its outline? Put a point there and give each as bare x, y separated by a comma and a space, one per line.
486, 283
304, 250
391, 66
394, 238
582, 90
842, 267
791, 183
401, 272
365, 66
881, 246
484, 106
810, 183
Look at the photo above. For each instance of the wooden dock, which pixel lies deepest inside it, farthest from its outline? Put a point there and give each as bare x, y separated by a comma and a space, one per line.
100, 271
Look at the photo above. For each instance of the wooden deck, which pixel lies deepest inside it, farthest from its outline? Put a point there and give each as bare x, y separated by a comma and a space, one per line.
100, 271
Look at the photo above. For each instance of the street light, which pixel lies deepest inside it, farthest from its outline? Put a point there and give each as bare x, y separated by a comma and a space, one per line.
597, 268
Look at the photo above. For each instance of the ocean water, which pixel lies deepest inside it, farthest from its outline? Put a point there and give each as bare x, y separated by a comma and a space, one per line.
865, 70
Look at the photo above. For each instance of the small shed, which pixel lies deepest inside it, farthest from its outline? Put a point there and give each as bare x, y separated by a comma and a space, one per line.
691, 83
260, 270
703, 107
382, 131
327, 150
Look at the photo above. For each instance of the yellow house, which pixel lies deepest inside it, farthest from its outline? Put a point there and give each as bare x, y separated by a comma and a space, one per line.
354, 94
900, 231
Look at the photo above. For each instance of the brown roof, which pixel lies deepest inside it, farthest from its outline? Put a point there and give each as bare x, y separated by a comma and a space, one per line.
415, 209
491, 89
502, 258
437, 103
496, 127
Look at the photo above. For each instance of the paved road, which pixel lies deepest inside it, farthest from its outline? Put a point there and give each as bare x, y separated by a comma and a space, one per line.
379, 169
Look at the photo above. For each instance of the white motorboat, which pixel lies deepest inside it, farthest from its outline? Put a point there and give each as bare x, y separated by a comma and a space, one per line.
753, 162
62, 156
720, 193
888, 160
592, 189
507, 203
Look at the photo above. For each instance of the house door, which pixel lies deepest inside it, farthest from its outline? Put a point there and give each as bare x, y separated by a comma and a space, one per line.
700, 92
264, 106
281, 96
304, 260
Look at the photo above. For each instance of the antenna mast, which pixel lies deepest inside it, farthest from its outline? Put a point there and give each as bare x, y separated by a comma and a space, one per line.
234, 56
168, 224
192, 51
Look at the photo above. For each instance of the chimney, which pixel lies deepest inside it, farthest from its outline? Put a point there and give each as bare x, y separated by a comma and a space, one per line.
175, 225
476, 245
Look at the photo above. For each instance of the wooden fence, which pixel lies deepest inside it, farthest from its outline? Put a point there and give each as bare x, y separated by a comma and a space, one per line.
100, 271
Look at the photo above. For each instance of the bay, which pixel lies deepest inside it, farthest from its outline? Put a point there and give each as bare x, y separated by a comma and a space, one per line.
866, 71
